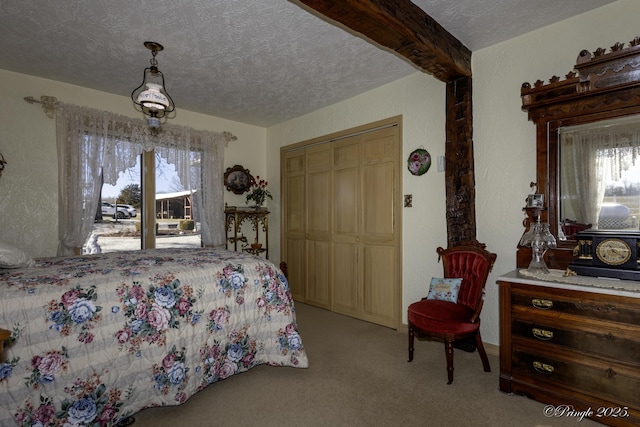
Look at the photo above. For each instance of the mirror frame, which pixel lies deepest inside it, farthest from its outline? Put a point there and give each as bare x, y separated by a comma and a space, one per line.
604, 85
236, 186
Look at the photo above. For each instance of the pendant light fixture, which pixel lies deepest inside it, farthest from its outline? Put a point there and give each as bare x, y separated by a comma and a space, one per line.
151, 98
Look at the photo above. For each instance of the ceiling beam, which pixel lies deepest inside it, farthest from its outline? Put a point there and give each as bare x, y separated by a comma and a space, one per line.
403, 27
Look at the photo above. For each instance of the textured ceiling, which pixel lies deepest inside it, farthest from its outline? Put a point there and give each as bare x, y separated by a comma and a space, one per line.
255, 61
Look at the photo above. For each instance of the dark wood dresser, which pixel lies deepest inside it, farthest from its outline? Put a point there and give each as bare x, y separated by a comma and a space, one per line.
573, 346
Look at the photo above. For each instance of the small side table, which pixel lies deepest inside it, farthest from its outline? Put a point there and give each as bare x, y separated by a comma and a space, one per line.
4, 335
258, 218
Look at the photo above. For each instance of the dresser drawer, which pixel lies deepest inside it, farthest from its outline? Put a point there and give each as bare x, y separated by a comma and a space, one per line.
615, 344
575, 303
616, 383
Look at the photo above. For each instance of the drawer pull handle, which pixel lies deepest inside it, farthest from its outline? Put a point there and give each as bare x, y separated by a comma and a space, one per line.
543, 368
542, 334
543, 304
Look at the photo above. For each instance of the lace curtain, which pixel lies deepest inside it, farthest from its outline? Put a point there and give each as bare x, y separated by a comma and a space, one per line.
92, 143
593, 155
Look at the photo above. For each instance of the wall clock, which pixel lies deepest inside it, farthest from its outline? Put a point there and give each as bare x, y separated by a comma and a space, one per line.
608, 253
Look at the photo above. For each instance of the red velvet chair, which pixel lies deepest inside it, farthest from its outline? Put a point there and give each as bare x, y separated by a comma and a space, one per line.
455, 322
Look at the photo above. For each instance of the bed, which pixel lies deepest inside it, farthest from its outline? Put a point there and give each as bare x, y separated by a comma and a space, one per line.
97, 338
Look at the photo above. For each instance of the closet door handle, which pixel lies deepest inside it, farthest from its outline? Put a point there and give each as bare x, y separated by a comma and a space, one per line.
543, 304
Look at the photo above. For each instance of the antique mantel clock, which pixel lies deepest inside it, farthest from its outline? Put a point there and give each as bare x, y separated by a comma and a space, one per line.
608, 253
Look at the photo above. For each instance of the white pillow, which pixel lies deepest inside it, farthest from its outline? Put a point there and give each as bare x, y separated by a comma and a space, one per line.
12, 257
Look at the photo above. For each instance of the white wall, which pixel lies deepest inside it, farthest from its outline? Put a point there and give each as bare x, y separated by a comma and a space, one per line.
29, 184
504, 140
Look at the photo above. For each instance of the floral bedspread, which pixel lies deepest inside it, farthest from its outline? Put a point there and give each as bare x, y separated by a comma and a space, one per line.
97, 338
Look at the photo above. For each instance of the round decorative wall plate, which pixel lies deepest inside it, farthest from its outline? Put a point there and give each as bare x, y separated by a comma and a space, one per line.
419, 161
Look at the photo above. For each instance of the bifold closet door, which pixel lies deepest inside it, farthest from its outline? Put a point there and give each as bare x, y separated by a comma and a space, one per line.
341, 232
295, 221
379, 227
318, 235
346, 244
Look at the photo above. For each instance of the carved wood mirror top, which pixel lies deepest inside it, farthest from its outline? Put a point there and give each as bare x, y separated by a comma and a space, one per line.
605, 85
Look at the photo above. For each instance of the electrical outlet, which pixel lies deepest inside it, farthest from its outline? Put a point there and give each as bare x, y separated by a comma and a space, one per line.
408, 200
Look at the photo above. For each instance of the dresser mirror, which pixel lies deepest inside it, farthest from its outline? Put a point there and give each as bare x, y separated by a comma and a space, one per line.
599, 166
588, 147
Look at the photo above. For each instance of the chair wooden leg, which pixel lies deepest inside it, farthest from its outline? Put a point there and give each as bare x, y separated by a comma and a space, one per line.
448, 348
411, 336
483, 354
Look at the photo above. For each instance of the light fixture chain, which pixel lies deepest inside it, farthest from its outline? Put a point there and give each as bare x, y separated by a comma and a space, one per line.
153, 60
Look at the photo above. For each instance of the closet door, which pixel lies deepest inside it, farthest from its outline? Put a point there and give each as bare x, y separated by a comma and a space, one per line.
342, 224
294, 220
318, 236
379, 233
346, 242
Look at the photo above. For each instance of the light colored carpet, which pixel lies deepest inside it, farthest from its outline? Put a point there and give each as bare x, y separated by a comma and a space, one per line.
359, 376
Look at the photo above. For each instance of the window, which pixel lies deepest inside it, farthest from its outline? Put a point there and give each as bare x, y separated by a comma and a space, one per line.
96, 146
120, 230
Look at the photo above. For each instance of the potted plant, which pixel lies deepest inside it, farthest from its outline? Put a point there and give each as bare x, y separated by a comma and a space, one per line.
258, 192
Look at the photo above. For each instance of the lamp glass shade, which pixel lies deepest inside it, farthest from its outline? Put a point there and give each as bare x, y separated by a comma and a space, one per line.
153, 98
539, 239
